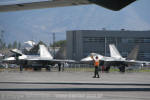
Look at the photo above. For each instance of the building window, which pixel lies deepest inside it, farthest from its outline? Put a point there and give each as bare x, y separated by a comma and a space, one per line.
124, 40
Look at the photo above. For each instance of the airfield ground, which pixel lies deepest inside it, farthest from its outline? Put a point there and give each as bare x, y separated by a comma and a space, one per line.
28, 85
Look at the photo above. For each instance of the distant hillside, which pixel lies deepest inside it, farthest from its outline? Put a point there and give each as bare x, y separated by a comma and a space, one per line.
40, 24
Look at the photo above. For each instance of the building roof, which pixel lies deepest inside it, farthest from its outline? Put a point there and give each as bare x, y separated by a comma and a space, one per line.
115, 33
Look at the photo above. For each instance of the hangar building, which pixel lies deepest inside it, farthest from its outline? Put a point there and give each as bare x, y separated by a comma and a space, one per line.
82, 42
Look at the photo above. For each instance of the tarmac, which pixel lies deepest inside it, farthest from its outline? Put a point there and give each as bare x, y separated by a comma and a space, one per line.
29, 85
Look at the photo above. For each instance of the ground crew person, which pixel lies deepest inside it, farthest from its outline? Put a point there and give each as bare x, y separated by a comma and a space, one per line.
96, 65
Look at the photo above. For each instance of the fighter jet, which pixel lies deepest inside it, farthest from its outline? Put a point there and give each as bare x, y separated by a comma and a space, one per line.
116, 59
43, 60
15, 5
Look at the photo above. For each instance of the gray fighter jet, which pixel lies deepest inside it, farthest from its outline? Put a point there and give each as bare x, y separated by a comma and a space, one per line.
43, 60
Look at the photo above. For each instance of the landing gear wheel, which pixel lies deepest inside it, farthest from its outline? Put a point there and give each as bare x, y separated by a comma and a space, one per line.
107, 69
122, 69
48, 68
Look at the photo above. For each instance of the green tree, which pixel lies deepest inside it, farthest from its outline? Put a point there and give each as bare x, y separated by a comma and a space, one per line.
19, 45
2, 42
59, 43
15, 44
9, 46
4, 45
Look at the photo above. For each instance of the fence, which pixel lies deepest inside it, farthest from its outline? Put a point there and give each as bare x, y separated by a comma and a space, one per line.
82, 68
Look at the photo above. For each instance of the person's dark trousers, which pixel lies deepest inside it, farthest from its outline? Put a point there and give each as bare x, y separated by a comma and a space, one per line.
96, 72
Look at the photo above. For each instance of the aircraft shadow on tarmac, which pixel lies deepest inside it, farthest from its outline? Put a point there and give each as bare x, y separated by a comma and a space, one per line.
78, 83
77, 88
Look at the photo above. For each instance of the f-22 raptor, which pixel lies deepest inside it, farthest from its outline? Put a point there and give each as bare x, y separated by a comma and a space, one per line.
116, 59
43, 60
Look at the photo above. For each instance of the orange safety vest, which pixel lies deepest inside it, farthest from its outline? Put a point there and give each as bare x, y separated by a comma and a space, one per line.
96, 63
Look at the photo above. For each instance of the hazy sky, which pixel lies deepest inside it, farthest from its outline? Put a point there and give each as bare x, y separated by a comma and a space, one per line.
40, 24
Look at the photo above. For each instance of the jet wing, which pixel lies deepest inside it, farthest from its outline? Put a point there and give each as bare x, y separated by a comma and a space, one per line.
43, 60
61, 60
15, 5
131, 62
127, 62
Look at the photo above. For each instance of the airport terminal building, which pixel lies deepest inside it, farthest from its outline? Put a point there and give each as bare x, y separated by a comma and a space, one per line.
80, 43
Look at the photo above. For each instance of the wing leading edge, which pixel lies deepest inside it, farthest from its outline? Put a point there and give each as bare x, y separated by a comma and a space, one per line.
41, 4
110, 4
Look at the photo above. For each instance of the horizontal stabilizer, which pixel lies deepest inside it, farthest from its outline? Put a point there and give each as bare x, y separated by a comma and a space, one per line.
16, 51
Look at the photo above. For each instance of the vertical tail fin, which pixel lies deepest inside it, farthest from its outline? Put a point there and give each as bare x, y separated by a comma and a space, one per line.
44, 52
114, 52
133, 54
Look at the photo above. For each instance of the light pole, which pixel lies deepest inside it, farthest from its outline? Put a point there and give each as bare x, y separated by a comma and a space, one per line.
54, 44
